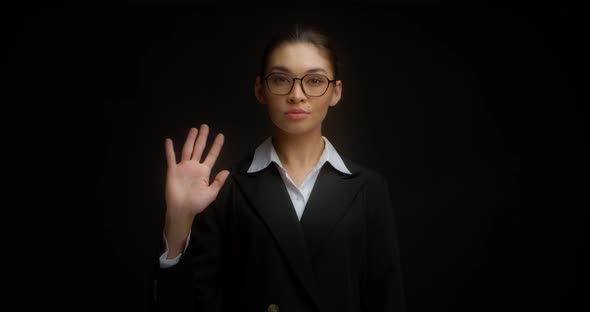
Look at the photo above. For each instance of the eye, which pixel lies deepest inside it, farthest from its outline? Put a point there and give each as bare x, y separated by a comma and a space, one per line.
315, 80
279, 79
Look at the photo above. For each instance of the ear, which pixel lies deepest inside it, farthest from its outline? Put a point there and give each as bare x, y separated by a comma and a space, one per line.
259, 91
336, 93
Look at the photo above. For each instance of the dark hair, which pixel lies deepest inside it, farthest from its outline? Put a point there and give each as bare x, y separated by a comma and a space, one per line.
304, 34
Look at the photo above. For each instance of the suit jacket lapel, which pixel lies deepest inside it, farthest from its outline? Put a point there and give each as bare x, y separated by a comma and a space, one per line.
329, 201
267, 193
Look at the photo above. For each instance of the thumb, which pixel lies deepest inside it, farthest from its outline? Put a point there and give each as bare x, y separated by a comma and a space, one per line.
219, 180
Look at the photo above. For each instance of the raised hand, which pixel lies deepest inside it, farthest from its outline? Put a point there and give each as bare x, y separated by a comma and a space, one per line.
188, 191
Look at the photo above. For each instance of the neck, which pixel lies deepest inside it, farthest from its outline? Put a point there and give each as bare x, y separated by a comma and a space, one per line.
298, 151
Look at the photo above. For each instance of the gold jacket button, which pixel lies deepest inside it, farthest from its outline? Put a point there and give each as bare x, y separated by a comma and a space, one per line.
273, 308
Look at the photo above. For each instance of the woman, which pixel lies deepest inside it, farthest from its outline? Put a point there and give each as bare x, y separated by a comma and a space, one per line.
294, 226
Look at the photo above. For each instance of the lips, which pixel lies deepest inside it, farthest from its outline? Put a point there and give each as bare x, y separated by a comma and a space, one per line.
296, 114
297, 111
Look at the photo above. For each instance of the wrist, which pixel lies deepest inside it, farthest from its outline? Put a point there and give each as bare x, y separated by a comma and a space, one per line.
176, 231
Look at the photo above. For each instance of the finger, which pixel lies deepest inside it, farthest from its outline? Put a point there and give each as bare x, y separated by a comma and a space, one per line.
188, 144
219, 180
201, 141
170, 157
214, 150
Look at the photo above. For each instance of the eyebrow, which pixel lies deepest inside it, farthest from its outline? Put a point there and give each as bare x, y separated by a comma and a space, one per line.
285, 69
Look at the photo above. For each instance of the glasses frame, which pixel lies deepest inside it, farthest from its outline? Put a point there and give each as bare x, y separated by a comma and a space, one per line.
265, 79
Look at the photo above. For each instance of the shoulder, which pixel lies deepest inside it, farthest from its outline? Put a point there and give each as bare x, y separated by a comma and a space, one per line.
238, 168
372, 176
377, 193
241, 166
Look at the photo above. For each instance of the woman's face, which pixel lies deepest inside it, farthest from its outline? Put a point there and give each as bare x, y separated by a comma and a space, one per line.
297, 112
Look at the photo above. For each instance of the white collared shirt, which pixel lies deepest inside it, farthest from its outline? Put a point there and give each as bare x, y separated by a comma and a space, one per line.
264, 155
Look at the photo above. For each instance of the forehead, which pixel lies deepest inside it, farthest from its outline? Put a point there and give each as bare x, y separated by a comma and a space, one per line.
299, 58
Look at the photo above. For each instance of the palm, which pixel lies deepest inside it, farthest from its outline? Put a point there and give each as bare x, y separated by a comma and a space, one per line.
188, 186
188, 191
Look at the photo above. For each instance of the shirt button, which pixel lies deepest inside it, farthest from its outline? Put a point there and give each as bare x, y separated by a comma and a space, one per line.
273, 308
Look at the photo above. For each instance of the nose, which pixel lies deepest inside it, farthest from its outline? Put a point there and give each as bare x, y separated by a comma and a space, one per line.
297, 95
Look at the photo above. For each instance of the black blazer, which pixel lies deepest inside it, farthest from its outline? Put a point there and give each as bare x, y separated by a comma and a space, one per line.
248, 251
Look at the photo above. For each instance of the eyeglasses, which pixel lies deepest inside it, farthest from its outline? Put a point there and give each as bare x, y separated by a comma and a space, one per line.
311, 84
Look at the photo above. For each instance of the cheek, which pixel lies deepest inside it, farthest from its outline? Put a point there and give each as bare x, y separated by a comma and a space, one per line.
322, 112
272, 103
273, 107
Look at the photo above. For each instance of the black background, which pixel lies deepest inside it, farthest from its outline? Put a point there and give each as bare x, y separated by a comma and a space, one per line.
474, 116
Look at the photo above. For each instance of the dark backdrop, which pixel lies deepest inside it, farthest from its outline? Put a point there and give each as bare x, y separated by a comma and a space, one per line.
473, 115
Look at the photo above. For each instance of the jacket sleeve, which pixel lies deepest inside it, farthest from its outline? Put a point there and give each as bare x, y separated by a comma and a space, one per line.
383, 289
194, 283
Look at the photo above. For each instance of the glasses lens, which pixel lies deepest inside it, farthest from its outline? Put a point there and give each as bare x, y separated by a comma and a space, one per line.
315, 85
279, 83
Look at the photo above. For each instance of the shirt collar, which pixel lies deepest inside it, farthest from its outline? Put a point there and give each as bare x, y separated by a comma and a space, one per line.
265, 153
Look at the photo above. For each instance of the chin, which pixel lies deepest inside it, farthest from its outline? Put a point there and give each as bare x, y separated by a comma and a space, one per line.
295, 127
